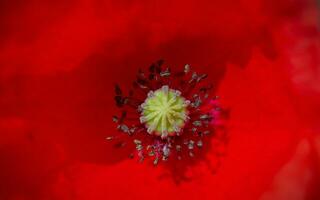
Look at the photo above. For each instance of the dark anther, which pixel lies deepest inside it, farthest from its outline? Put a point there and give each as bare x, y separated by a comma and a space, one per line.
132, 130
119, 144
156, 160
203, 89
151, 153
119, 101
206, 117
115, 119
137, 142
117, 90
152, 68
194, 76
124, 128
151, 76
201, 77
186, 68
190, 145
197, 123
206, 132
206, 88
160, 62
141, 81
199, 143
196, 103
123, 115
158, 66
125, 100
165, 73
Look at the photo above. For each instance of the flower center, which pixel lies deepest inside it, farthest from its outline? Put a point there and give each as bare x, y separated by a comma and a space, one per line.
164, 112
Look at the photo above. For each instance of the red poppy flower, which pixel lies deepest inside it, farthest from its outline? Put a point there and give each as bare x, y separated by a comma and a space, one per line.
60, 60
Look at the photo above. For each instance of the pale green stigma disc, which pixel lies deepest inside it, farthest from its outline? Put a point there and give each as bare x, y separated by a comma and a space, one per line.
164, 112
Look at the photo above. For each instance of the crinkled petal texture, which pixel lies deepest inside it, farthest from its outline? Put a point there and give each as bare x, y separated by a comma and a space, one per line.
59, 61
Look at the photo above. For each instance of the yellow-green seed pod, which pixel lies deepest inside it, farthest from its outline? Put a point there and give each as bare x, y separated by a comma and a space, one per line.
164, 112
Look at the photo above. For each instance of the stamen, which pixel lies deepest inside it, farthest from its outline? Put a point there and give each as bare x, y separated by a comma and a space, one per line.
165, 89
109, 138
150, 94
165, 73
143, 119
186, 68
190, 145
199, 144
115, 119
166, 151
150, 129
165, 113
177, 93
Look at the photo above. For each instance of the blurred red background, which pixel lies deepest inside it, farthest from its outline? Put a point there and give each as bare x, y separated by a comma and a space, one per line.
59, 61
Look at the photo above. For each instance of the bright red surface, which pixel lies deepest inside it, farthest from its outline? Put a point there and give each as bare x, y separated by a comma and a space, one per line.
60, 59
